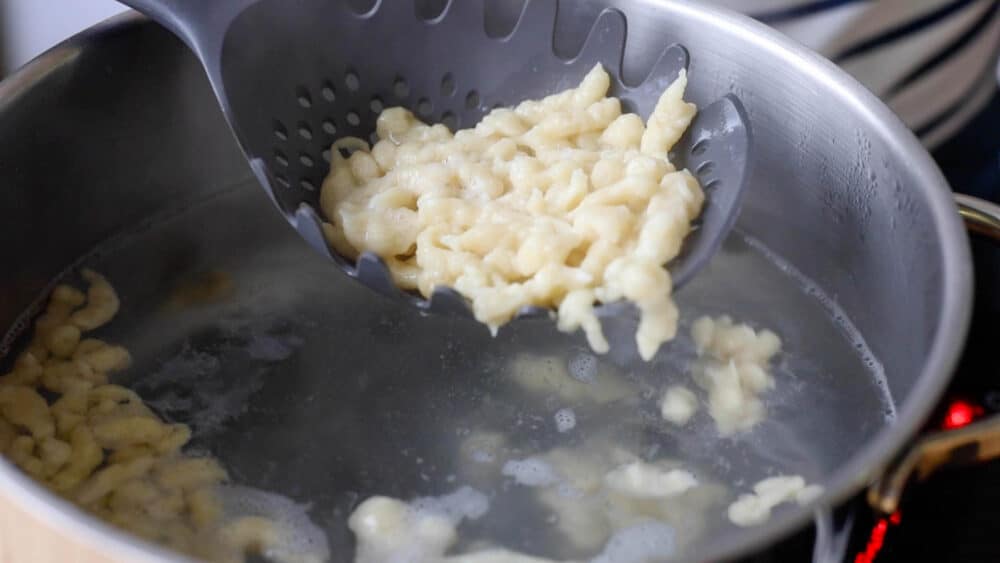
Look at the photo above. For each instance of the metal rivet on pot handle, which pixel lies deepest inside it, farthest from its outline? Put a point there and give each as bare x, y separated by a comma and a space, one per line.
978, 442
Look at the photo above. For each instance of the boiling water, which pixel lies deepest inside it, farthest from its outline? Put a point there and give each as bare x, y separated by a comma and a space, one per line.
306, 384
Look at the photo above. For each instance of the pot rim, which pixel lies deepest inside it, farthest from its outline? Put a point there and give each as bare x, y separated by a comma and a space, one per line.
956, 284
850, 478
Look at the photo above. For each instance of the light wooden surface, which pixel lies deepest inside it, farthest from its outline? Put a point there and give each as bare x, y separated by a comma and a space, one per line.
53, 533
24, 538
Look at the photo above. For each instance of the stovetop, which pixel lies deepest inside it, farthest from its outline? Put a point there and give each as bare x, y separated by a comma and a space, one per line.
953, 516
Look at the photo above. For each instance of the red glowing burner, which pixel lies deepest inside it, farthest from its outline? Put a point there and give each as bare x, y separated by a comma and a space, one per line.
960, 413
877, 538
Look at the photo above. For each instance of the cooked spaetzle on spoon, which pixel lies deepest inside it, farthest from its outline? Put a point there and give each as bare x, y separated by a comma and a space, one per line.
562, 203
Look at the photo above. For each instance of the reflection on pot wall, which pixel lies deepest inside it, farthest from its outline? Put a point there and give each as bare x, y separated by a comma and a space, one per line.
29, 27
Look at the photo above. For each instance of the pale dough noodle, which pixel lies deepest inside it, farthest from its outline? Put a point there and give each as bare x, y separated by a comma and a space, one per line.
560, 203
734, 369
99, 446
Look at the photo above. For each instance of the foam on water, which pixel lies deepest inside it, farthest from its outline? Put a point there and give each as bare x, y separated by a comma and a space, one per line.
531, 472
565, 420
463, 503
583, 367
299, 539
168, 389
639, 543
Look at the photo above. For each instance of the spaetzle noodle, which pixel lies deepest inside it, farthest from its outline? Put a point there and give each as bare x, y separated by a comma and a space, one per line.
562, 203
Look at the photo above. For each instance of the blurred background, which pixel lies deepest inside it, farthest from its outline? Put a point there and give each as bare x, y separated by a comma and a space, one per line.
934, 62
29, 27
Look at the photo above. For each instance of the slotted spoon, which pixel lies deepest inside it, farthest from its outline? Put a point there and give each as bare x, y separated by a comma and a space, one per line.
294, 75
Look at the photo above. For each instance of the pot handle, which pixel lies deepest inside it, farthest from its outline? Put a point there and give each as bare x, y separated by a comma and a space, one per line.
977, 442
981, 217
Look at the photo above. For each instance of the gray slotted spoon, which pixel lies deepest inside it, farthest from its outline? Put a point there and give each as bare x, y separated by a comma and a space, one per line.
294, 75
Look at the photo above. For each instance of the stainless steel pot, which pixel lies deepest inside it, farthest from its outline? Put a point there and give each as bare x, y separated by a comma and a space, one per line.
116, 131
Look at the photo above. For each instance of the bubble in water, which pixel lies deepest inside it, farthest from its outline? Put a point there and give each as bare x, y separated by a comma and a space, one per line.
565, 420
531, 472
583, 367
637, 543
483, 456
464, 502
268, 348
566, 490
